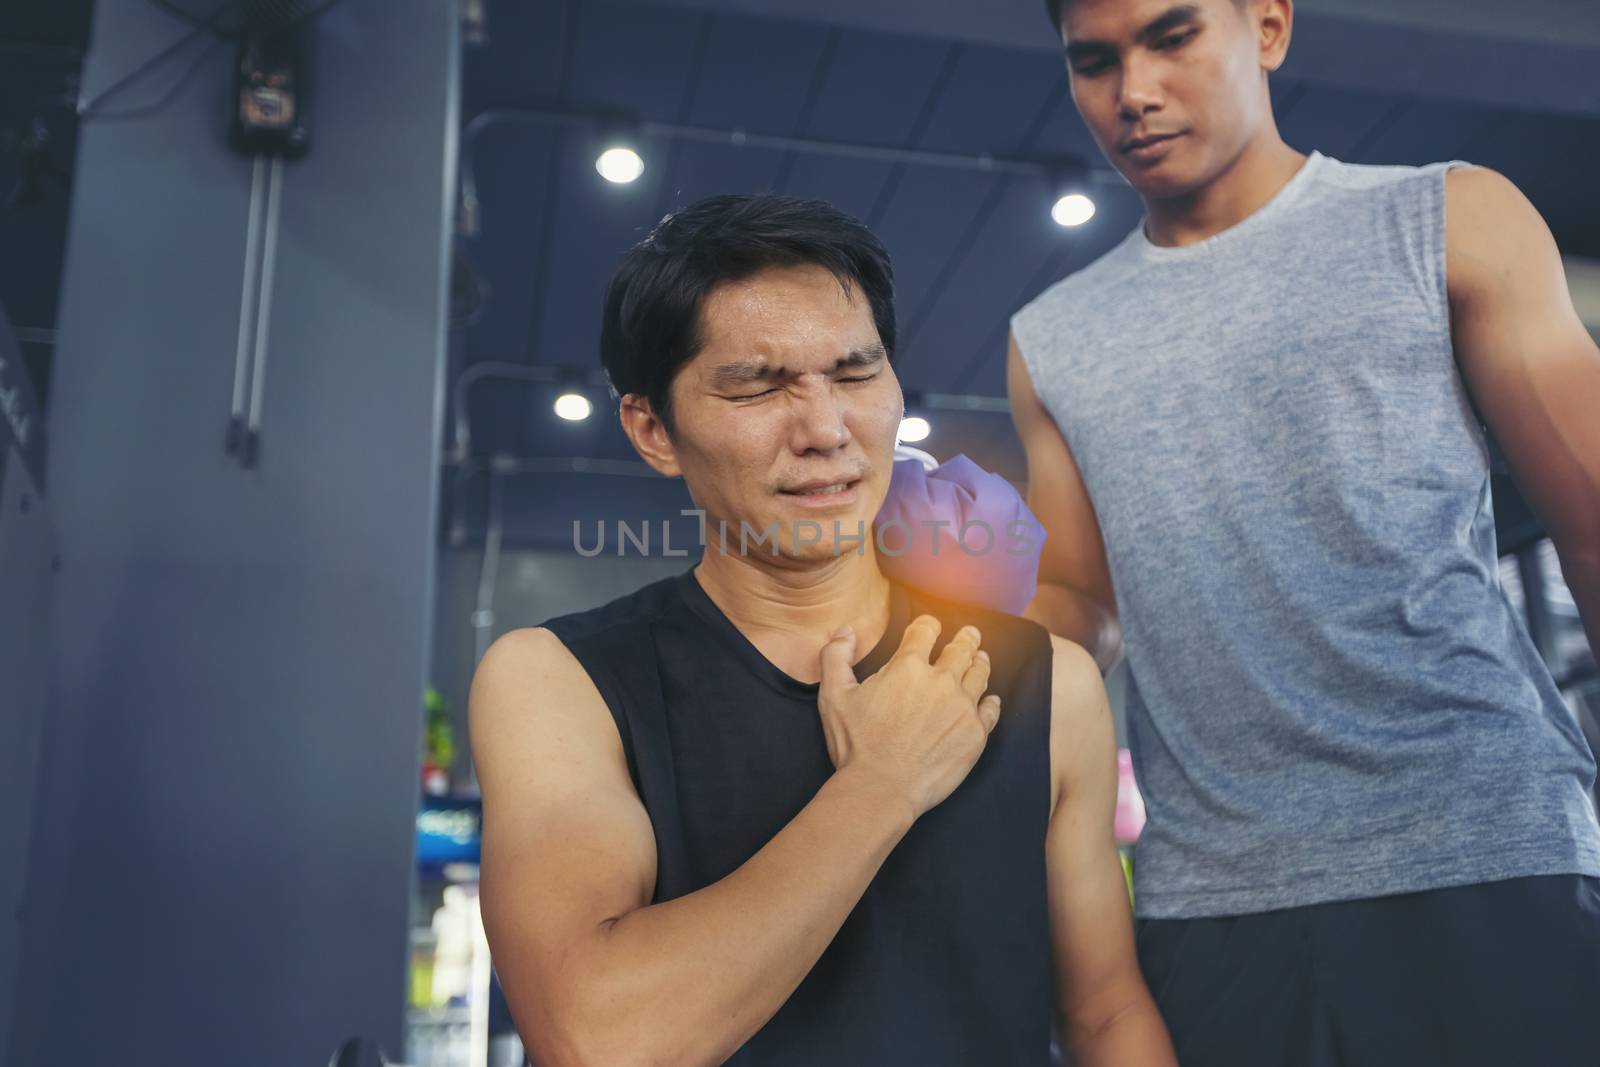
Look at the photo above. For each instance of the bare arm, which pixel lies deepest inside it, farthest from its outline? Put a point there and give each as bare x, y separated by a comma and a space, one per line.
1531, 367
1075, 598
1108, 1014
594, 972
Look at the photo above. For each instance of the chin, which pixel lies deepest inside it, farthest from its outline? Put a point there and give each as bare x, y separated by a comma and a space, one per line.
1165, 182
1180, 172
850, 522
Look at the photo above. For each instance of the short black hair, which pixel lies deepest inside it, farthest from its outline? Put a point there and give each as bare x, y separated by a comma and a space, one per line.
651, 325
1053, 9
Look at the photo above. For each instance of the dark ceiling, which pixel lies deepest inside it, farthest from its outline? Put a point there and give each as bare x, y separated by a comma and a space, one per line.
46, 23
969, 247
944, 76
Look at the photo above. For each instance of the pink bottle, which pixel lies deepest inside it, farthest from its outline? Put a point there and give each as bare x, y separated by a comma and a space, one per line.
1129, 821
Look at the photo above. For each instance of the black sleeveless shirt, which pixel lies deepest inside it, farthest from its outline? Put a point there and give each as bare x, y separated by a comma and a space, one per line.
945, 960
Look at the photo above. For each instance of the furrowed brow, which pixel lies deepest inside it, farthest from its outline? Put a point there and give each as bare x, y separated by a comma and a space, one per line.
744, 372
865, 356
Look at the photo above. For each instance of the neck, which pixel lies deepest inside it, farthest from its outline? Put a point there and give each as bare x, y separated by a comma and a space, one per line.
1244, 187
790, 610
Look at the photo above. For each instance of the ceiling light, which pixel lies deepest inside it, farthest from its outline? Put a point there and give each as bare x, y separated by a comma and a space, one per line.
1074, 209
914, 429
619, 165
574, 407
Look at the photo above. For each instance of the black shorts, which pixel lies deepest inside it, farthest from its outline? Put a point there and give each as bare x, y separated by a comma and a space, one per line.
1504, 974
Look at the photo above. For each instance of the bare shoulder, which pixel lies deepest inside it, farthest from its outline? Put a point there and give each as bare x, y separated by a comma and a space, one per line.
513, 668
1493, 232
533, 705
1073, 670
1082, 736
518, 654
1472, 193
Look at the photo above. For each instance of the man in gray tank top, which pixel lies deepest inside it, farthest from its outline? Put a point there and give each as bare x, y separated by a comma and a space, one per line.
1253, 435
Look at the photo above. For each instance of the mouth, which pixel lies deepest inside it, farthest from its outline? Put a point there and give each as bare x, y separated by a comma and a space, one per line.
822, 488
838, 491
1147, 144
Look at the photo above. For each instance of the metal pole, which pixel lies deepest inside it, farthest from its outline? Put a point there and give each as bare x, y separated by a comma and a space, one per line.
247, 300
264, 311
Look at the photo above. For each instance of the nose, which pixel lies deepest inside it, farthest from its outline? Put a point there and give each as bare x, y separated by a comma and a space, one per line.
1139, 91
819, 421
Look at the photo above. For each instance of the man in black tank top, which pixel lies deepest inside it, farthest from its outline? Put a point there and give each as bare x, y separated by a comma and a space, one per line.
778, 809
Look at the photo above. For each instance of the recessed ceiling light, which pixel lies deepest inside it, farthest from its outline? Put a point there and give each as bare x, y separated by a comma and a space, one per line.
574, 407
915, 428
619, 165
1074, 209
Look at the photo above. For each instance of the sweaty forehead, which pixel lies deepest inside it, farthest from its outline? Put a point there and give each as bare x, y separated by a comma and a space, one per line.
784, 314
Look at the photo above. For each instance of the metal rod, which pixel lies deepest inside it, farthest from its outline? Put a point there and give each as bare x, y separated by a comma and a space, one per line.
482, 978
269, 262
621, 468
1038, 168
847, 150
458, 501
1536, 602
489, 574
241, 356
997, 405
36, 335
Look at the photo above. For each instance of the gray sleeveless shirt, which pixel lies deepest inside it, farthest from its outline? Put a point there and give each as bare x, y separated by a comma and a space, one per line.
1330, 697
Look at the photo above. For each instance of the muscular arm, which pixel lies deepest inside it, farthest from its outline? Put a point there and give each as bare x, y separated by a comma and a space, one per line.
1075, 598
1531, 367
593, 972
1109, 1017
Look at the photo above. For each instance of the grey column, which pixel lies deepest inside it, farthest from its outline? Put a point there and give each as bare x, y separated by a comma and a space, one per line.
222, 850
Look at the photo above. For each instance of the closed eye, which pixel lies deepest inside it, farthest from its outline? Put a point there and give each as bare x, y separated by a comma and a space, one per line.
854, 379
1175, 40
